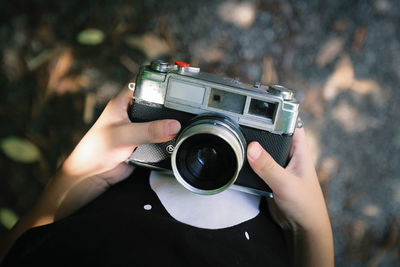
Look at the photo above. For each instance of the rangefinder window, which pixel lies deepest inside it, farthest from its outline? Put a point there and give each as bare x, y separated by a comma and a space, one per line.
228, 101
262, 109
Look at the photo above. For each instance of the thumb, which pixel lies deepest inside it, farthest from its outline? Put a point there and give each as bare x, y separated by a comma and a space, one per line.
139, 133
266, 167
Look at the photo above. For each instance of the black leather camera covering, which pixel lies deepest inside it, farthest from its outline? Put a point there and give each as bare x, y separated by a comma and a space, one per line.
278, 146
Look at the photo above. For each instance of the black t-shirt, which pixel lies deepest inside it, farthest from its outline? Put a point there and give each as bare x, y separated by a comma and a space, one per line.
116, 230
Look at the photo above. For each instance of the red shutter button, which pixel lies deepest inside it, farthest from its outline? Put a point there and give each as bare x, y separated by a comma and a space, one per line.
182, 64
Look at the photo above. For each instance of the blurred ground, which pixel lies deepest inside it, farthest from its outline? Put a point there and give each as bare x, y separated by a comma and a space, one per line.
342, 57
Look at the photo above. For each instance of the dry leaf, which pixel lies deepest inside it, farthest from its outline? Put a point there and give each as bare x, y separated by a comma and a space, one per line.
269, 75
341, 79
313, 102
72, 84
359, 228
371, 210
150, 44
327, 168
366, 86
212, 55
329, 51
90, 104
241, 14
60, 69
358, 39
350, 118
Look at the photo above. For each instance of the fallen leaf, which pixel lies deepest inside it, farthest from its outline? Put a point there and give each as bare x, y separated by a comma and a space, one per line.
212, 55
371, 210
90, 37
350, 118
62, 66
20, 150
366, 86
269, 75
341, 79
313, 102
241, 14
358, 39
329, 51
8, 218
88, 111
359, 229
327, 167
72, 84
150, 44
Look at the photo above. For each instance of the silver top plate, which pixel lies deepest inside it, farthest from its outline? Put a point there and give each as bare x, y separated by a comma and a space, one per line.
192, 91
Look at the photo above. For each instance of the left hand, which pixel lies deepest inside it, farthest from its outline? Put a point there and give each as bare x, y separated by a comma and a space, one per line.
98, 161
102, 151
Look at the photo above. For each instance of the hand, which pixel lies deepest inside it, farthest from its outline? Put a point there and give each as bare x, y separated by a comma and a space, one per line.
102, 151
298, 204
98, 161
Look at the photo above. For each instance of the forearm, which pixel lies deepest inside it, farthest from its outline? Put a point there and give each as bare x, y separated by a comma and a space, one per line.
313, 247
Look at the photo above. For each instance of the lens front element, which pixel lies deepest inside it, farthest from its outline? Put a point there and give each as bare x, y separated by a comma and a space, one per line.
208, 156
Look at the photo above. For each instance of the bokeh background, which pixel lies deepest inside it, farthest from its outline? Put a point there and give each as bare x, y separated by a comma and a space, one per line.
61, 61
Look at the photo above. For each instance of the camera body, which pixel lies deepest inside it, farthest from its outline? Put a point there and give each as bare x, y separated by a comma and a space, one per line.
219, 117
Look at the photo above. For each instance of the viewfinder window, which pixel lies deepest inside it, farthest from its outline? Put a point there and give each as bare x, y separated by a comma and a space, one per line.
192, 94
262, 109
226, 101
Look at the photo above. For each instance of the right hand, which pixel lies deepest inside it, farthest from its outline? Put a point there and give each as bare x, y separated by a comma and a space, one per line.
298, 202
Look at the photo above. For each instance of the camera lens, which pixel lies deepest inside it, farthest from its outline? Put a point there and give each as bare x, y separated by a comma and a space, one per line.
208, 155
206, 161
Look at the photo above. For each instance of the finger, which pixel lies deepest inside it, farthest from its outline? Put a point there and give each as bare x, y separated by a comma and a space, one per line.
126, 93
299, 141
123, 97
300, 156
147, 132
266, 167
117, 108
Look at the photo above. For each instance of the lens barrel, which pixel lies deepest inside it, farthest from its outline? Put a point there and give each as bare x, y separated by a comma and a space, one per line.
208, 154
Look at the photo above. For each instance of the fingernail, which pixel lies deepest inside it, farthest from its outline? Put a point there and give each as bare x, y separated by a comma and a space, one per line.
173, 127
254, 151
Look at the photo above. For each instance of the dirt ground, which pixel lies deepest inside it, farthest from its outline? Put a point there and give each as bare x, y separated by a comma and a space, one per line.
342, 57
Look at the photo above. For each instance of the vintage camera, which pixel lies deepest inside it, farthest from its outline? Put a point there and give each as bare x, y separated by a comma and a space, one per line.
219, 117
